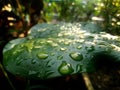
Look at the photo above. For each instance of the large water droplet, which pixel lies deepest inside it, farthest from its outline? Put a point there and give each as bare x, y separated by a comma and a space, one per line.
42, 55
76, 56
59, 57
65, 68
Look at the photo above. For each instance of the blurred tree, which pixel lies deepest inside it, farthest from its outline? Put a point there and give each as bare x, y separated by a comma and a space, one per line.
111, 14
19, 15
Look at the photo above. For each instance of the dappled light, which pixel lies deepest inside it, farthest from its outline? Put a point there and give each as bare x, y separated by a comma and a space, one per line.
71, 42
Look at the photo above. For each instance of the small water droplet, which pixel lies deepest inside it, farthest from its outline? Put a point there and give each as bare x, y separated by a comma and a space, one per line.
19, 62
79, 68
60, 35
42, 55
49, 41
54, 44
76, 56
29, 46
63, 49
90, 48
65, 68
67, 43
38, 46
59, 57
33, 61
79, 47
32, 72
52, 54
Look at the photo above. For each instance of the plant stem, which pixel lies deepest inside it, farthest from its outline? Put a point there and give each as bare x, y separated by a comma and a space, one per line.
6, 76
87, 81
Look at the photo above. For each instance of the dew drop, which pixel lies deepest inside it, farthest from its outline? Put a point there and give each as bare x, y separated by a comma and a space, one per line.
32, 72
76, 56
19, 62
79, 47
65, 68
63, 49
42, 55
33, 61
54, 44
38, 46
67, 43
79, 68
59, 57
90, 48
52, 54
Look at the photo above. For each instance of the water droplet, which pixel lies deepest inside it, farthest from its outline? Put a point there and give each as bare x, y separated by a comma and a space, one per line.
29, 46
79, 68
19, 62
63, 49
33, 61
30, 37
38, 46
54, 44
79, 47
42, 55
52, 54
59, 57
65, 68
90, 48
49, 41
32, 72
60, 35
76, 56
67, 43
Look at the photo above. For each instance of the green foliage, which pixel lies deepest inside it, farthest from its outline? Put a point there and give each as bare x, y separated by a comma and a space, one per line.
111, 13
63, 49
70, 10
84, 10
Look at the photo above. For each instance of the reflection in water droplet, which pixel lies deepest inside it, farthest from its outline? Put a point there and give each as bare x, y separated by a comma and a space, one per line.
59, 57
42, 55
76, 56
65, 68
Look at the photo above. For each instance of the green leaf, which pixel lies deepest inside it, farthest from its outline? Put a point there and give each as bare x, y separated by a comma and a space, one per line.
54, 50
